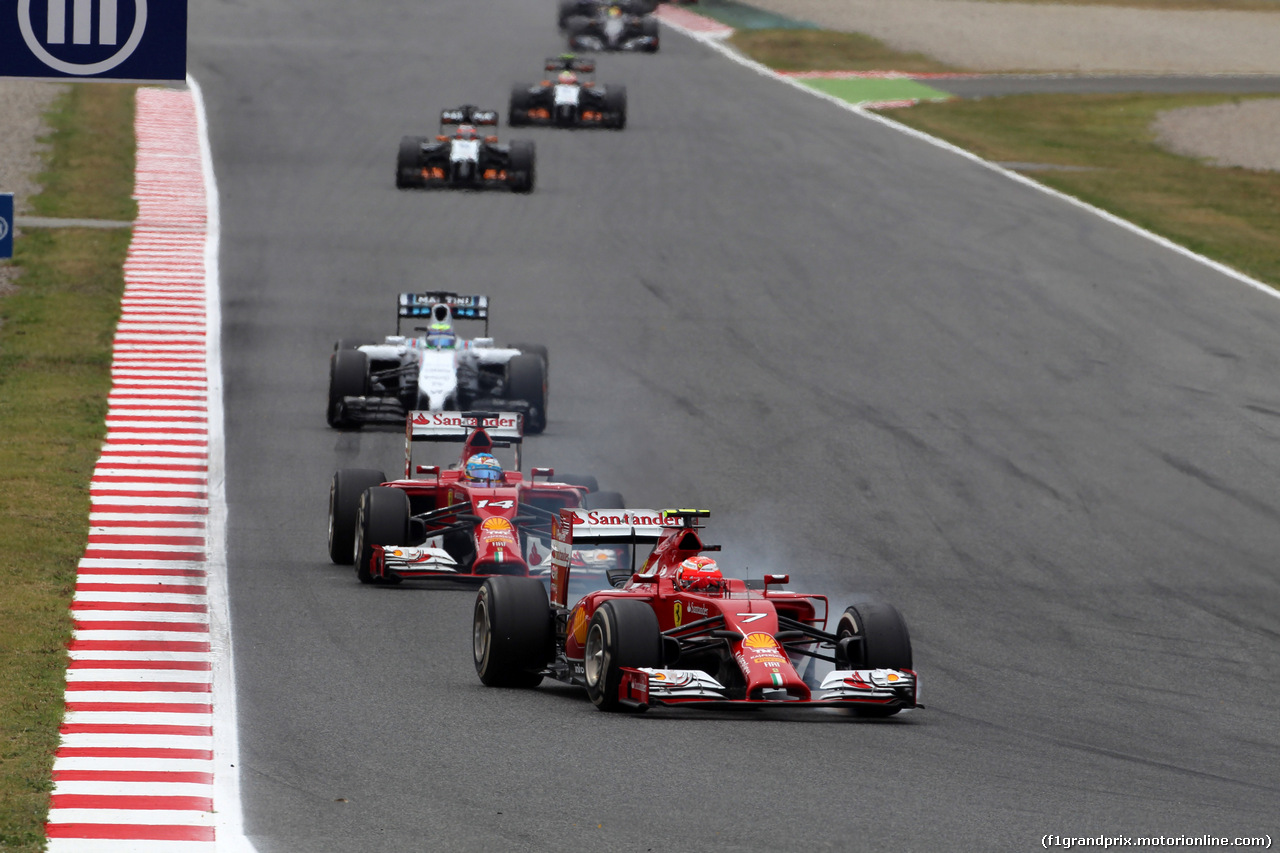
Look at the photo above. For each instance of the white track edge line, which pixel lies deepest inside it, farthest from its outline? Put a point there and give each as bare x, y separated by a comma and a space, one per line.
226, 746
764, 71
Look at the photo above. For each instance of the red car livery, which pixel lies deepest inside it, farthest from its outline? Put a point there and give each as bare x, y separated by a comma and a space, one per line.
652, 641
439, 523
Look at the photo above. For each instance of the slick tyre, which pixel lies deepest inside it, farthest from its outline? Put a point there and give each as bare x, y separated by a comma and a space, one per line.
348, 377
587, 481
885, 643
409, 163
518, 108
536, 349
527, 381
521, 168
344, 508
622, 633
604, 500
383, 519
350, 343
649, 27
511, 632
615, 105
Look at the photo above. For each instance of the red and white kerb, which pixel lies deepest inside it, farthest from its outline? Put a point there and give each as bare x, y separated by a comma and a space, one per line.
135, 769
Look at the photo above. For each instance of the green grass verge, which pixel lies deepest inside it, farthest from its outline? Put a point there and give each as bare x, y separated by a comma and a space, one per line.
1229, 214
827, 50
55, 360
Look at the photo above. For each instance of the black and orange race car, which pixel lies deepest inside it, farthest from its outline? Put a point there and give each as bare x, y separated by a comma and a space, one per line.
465, 154
568, 97
676, 632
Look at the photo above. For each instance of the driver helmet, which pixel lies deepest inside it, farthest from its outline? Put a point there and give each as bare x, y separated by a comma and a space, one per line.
568, 77
615, 11
466, 131
699, 573
483, 468
441, 336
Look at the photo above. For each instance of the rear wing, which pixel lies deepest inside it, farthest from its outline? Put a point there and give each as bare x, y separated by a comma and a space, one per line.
570, 63
423, 305
468, 114
485, 430
577, 527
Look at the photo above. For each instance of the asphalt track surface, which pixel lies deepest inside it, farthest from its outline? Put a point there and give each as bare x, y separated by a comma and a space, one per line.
1051, 442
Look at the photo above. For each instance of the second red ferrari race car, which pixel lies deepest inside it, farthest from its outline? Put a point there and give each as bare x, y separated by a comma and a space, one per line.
676, 632
475, 518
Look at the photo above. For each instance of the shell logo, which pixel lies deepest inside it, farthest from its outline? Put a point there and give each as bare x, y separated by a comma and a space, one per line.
759, 640
496, 525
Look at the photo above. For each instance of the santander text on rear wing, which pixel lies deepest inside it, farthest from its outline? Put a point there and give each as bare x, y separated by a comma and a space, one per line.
577, 527
485, 430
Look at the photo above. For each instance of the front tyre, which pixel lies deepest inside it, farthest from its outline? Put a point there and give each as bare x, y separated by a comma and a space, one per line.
519, 106
344, 507
885, 643
511, 632
383, 519
622, 633
348, 377
409, 163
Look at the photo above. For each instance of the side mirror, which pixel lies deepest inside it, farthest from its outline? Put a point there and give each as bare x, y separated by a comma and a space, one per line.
429, 469
770, 580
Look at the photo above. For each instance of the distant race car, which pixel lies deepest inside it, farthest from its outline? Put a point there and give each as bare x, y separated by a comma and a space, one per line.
474, 519
436, 369
568, 9
613, 26
462, 156
569, 97
676, 632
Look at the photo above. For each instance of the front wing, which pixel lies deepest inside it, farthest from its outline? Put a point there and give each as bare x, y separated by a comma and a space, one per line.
886, 689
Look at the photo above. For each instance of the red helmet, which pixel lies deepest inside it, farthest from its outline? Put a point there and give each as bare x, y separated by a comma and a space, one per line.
699, 573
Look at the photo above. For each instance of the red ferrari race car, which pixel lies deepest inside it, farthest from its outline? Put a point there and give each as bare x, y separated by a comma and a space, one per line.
676, 632
474, 519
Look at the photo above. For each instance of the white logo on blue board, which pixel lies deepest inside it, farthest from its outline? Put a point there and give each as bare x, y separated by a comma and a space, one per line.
80, 28
4, 228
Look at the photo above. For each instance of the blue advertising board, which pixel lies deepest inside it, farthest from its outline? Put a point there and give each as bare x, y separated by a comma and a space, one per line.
6, 225
94, 39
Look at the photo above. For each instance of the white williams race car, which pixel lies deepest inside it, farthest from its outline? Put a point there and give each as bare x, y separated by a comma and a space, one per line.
435, 370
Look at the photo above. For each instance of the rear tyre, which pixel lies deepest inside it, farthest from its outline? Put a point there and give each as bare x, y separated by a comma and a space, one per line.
348, 377
615, 104
886, 644
518, 109
383, 519
344, 507
587, 481
520, 169
536, 349
604, 500
527, 380
409, 163
622, 633
511, 633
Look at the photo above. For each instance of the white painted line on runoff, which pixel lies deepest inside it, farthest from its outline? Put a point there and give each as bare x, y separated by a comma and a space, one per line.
717, 45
